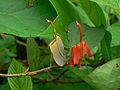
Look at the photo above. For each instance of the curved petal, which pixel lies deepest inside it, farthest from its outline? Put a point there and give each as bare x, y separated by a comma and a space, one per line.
86, 49
75, 55
79, 52
71, 58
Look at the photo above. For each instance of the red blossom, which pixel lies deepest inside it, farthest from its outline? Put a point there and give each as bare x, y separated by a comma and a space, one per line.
77, 50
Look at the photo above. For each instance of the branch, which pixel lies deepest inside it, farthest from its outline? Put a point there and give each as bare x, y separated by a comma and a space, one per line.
68, 81
24, 44
29, 73
57, 81
54, 79
21, 43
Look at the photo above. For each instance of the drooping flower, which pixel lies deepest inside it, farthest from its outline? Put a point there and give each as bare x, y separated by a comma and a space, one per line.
57, 48
77, 50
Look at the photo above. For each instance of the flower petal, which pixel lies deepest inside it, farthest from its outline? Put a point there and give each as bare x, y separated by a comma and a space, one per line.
71, 62
87, 49
80, 52
79, 65
75, 55
71, 58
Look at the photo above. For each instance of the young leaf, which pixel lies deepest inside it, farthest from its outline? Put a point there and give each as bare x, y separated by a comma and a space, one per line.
106, 46
19, 83
33, 54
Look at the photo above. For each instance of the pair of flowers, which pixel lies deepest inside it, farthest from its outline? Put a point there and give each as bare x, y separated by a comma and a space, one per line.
76, 51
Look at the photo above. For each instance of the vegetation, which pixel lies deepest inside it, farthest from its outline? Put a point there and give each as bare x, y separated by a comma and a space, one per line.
59, 44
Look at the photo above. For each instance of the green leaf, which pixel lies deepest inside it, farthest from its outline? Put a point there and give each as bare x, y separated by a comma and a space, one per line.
64, 8
61, 86
17, 19
94, 12
73, 34
5, 87
19, 83
65, 16
83, 71
93, 36
89, 35
115, 51
33, 54
84, 17
106, 46
7, 50
106, 77
114, 4
60, 28
114, 29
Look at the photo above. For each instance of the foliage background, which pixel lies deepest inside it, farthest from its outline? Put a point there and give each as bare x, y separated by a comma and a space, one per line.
25, 36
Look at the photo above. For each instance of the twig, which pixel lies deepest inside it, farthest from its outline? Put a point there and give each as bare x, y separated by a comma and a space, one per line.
68, 81
54, 79
2, 35
29, 73
92, 65
3, 69
57, 81
12, 75
41, 70
24, 44
21, 43
51, 60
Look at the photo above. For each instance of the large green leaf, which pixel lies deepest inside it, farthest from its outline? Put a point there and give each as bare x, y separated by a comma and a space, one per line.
64, 8
106, 77
114, 29
17, 19
33, 54
66, 14
114, 4
93, 11
84, 17
93, 36
19, 83
106, 46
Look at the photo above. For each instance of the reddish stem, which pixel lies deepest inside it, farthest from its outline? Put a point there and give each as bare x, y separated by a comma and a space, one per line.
49, 21
80, 28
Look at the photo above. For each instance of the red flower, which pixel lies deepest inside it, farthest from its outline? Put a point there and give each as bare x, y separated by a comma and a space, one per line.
77, 50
